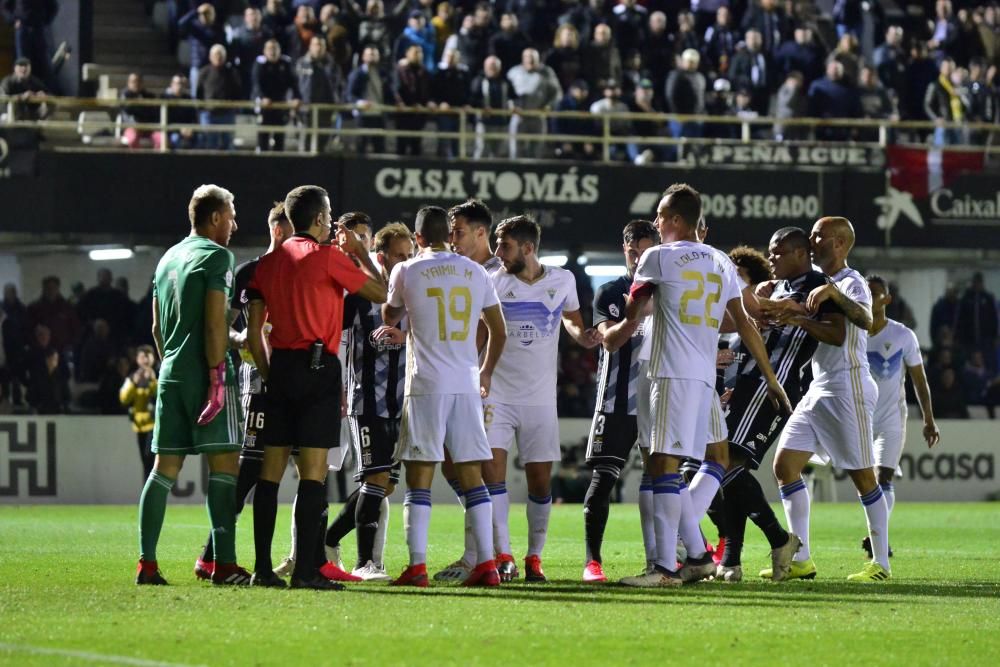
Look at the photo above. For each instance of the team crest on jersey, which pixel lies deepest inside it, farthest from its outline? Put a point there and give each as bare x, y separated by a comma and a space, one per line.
613, 309
551, 293
887, 346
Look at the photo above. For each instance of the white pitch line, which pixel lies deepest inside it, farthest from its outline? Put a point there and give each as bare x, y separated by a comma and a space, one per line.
87, 655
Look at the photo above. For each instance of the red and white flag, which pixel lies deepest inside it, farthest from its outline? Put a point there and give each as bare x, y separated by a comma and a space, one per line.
921, 171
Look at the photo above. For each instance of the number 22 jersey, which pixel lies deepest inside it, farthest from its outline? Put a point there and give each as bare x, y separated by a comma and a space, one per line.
693, 283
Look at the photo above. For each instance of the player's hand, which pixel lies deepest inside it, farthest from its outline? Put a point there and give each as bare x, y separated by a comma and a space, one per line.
774, 308
349, 242
726, 395
387, 334
779, 399
931, 434
485, 380
216, 399
591, 338
724, 358
819, 295
765, 289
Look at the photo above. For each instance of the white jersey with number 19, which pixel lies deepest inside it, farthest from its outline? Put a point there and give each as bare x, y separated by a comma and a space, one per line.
694, 282
444, 295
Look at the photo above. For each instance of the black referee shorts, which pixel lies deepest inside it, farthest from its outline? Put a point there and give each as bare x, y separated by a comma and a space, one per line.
374, 440
753, 422
301, 405
612, 437
254, 419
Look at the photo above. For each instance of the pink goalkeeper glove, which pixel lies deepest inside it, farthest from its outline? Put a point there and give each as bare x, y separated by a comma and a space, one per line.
216, 399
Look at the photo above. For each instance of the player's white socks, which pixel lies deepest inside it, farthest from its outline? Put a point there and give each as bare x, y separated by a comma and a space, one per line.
877, 513
690, 526
667, 515
539, 509
704, 485
292, 552
889, 492
416, 521
381, 533
646, 517
469, 555
479, 520
796, 501
501, 516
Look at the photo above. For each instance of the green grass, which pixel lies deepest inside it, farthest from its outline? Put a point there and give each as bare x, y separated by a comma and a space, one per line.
66, 584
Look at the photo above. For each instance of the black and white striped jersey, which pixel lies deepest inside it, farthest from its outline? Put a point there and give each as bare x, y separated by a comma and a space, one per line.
617, 375
247, 375
375, 371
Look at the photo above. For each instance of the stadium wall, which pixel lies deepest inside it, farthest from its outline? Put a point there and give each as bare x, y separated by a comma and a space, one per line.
84, 460
140, 198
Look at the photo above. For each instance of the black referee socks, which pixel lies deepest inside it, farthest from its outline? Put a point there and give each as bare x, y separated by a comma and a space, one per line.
308, 510
265, 512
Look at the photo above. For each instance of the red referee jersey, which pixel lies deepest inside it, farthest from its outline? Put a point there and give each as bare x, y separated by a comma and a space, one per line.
303, 283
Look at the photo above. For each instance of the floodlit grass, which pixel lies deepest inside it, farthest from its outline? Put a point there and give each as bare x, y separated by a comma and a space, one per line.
67, 597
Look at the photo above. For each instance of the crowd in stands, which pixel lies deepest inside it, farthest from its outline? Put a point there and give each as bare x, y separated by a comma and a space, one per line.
89, 340
738, 58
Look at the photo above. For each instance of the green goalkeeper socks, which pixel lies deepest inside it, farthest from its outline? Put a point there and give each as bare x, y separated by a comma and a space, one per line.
152, 508
221, 503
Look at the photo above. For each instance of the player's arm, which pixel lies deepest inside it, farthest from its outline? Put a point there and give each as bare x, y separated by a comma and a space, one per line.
216, 327
157, 335
255, 337
931, 433
393, 307
616, 334
636, 301
750, 337
237, 339
830, 329
573, 321
859, 314
496, 329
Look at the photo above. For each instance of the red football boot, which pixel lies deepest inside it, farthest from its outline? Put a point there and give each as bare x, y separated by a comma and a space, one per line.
484, 574
414, 575
334, 573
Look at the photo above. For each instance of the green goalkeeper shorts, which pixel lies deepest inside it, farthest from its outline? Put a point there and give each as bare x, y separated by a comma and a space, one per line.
176, 430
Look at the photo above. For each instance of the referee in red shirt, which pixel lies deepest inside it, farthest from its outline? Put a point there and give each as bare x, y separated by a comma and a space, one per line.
300, 289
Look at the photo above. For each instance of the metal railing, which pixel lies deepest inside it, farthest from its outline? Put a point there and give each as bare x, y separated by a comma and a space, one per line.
490, 125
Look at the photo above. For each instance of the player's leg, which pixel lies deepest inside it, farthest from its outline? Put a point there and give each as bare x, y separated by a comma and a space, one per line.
310, 500
378, 550
221, 503
152, 509
416, 520
710, 427
608, 449
265, 513
538, 446
877, 516
495, 477
646, 512
341, 526
373, 491
888, 447
707, 482
788, 466
458, 570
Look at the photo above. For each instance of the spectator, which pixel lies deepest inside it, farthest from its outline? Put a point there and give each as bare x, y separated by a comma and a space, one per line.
417, 33
48, 385
898, 309
276, 20
491, 91
946, 396
449, 91
29, 91
847, 53
943, 103
13, 339
800, 54
685, 93
720, 42
180, 114
890, 61
368, 90
104, 302
742, 108
982, 100
142, 114
199, 26
373, 30
536, 18
980, 386
611, 102
474, 36
968, 45
218, 82
977, 318
56, 314
770, 21
536, 88
510, 42
643, 101
633, 71
920, 73
443, 24
115, 373
833, 97
582, 16
338, 35
944, 31
944, 313
274, 82
791, 102
985, 19
565, 58
138, 395
413, 89
319, 82
686, 37
629, 23
658, 54
847, 16
31, 20
302, 30
247, 43
96, 352
875, 103
576, 99
753, 70
601, 60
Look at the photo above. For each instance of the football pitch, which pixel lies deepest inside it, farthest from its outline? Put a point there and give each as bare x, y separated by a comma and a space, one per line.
67, 597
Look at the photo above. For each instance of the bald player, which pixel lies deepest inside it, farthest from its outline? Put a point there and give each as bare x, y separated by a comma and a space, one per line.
834, 417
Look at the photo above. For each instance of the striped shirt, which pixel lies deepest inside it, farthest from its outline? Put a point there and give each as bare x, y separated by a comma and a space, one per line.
375, 370
248, 377
619, 370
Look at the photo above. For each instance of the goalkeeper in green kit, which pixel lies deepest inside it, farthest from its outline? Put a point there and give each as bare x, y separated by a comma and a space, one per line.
197, 411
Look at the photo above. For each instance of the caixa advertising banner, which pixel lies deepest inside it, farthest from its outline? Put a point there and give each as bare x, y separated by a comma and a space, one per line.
589, 204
